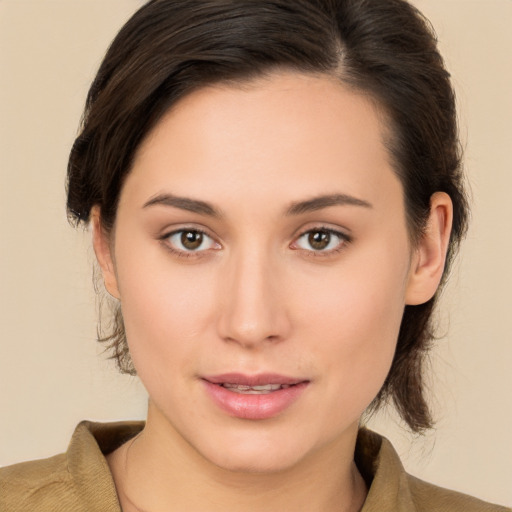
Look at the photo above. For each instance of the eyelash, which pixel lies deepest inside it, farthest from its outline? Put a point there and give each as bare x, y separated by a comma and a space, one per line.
164, 239
344, 241
343, 237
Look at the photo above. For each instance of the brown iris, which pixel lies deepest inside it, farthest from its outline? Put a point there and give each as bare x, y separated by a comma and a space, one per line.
319, 240
191, 239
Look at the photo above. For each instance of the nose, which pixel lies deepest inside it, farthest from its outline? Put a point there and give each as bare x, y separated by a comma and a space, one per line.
252, 301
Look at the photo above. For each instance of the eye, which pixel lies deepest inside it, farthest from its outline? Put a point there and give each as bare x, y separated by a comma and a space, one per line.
190, 240
321, 240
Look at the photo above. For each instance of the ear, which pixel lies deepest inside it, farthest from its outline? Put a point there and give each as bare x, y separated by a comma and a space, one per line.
103, 253
429, 256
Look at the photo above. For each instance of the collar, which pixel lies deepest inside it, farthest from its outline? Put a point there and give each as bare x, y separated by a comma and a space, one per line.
375, 457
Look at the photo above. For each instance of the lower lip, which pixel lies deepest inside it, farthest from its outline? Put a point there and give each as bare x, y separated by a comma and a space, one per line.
254, 407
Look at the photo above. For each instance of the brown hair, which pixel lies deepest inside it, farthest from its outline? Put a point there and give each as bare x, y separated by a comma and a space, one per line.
383, 48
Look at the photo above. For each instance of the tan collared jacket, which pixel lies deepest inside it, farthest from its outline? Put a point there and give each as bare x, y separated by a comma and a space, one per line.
80, 480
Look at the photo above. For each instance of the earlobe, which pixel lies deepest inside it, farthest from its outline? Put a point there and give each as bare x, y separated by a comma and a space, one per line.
429, 258
103, 253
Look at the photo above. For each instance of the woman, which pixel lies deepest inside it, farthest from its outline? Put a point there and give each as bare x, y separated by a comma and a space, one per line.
275, 195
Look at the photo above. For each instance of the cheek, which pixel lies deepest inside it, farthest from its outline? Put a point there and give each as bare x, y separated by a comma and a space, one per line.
355, 320
362, 299
166, 308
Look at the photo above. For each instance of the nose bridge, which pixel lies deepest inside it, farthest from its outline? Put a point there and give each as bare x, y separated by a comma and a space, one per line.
251, 312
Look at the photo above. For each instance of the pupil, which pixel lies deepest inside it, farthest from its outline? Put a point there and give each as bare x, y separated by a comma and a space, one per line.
191, 239
319, 239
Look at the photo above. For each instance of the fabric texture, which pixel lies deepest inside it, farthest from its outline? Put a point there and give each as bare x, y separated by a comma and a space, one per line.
80, 480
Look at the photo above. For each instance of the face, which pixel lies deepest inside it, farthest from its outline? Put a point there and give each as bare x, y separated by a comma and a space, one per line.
262, 262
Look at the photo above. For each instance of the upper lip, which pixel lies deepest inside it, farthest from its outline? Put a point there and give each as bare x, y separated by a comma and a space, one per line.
259, 379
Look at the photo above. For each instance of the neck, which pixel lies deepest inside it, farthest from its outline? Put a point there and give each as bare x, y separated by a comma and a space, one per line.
159, 471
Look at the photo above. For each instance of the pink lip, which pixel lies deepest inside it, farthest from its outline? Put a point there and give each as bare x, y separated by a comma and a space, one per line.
253, 407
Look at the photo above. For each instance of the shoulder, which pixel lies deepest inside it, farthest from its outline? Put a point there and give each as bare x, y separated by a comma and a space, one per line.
37, 485
78, 480
431, 498
392, 489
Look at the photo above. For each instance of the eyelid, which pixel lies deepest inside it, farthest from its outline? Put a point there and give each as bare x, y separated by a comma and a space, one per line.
164, 239
344, 237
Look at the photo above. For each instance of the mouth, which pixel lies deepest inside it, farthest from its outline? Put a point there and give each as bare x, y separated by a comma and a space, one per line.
254, 397
264, 389
256, 384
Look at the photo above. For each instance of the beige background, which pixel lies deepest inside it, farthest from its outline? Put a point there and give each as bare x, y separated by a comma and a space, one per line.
50, 373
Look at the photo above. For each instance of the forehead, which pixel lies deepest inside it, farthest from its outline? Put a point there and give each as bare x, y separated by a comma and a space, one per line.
288, 133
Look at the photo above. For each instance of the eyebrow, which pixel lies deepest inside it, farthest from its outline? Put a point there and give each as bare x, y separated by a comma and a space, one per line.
184, 203
296, 208
320, 202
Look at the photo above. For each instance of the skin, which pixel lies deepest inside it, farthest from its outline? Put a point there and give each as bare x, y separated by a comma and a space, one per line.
257, 297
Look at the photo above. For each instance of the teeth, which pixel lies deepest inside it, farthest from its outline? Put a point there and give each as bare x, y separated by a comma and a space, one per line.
254, 390
267, 387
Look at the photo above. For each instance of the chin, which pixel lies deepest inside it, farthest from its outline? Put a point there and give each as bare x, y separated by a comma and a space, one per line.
256, 449
254, 460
